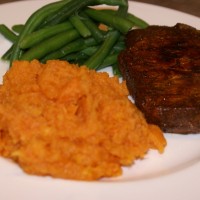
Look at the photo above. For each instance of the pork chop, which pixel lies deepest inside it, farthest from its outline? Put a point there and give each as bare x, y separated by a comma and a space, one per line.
161, 66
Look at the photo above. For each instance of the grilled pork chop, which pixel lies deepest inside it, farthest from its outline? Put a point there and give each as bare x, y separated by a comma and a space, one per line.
161, 66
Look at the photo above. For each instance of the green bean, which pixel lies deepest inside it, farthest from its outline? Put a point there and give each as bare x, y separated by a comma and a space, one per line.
41, 38
134, 19
89, 51
96, 33
42, 34
74, 46
121, 3
77, 58
109, 60
90, 41
7, 54
80, 26
137, 21
75, 5
66, 11
69, 48
69, 57
17, 28
118, 22
49, 45
116, 70
7, 33
119, 46
123, 10
33, 22
94, 61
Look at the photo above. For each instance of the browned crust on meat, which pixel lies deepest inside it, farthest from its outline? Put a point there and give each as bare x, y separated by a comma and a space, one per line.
162, 68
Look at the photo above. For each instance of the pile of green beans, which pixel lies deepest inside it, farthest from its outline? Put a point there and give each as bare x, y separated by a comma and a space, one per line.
72, 30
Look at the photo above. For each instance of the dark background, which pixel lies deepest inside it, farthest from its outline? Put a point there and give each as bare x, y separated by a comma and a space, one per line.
188, 6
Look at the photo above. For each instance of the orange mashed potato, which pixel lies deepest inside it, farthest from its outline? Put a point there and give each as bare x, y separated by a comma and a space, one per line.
65, 121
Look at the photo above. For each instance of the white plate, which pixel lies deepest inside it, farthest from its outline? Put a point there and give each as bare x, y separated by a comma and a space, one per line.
173, 175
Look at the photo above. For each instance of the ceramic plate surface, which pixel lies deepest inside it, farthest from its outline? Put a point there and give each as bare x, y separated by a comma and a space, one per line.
173, 175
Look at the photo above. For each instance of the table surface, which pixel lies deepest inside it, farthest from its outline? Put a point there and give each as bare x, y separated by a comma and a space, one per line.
188, 6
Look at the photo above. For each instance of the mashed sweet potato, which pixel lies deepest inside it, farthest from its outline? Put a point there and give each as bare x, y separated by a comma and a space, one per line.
70, 122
